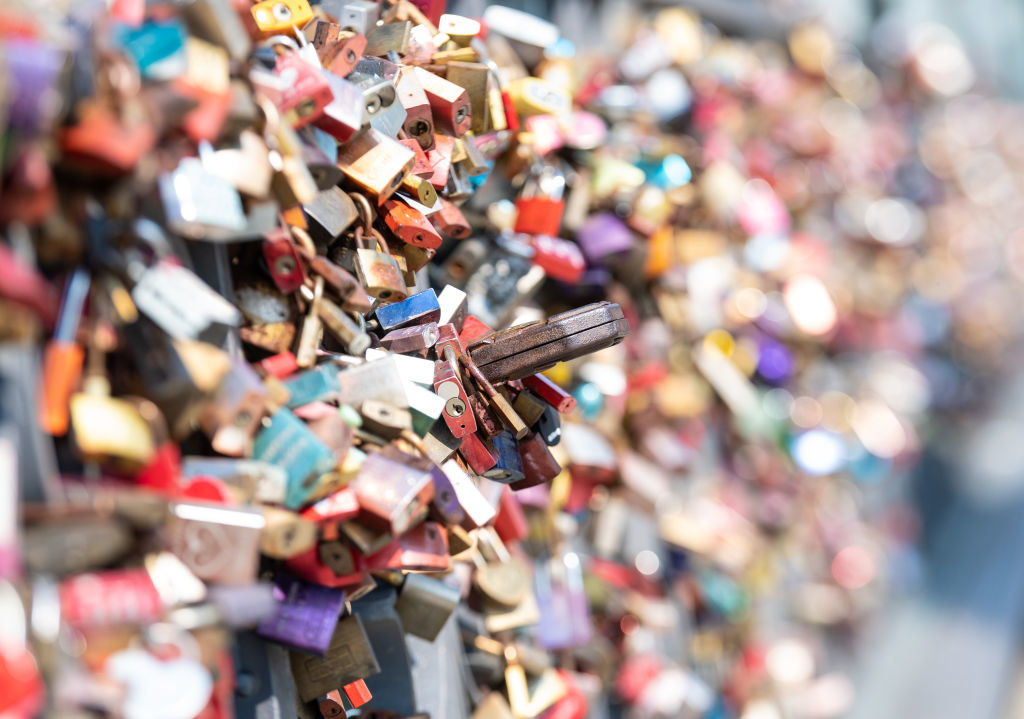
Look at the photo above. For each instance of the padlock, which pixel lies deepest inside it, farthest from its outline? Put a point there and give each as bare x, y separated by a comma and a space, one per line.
280, 16
74, 544
479, 458
349, 657
424, 605
287, 442
379, 273
343, 116
502, 579
389, 37
419, 119
551, 393
424, 548
283, 261
357, 693
337, 556
183, 305
533, 96
421, 167
474, 163
528, 406
285, 533
392, 495
440, 443
457, 414
525, 350
565, 616
539, 206
459, 188
561, 259
217, 543
316, 384
385, 420
452, 302
375, 162
306, 615
108, 429
472, 330
379, 380
603, 237
539, 465
381, 108
549, 427
199, 204
450, 221
509, 468
440, 159
418, 189
416, 309
366, 539
410, 225
474, 78
448, 102
339, 50
232, 417
495, 399
418, 338
356, 15
337, 507
307, 91
100, 141
330, 704
311, 334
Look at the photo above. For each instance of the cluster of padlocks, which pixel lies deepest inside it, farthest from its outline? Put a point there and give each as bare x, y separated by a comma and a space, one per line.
318, 391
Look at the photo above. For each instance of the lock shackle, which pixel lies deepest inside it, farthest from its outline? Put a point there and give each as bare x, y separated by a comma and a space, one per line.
303, 240
364, 209
274, 42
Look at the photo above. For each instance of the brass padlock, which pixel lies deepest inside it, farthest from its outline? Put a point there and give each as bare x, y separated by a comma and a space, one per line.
378, 271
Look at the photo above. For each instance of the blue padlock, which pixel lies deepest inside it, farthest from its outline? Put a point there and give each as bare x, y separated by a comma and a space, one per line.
509, 468
289, 444
319, 383
158, 48
417, 309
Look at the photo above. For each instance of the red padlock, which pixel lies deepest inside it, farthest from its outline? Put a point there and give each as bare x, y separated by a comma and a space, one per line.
477, 455
307, 92
409, 225
540, 203
560, 259
283, 261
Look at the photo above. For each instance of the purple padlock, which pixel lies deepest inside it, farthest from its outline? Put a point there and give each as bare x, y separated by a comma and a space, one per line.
306, 615
33, 68
604, 236
564, 612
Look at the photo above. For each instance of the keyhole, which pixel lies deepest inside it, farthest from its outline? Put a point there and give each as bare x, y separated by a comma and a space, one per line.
460, 114
284, 265
418, 127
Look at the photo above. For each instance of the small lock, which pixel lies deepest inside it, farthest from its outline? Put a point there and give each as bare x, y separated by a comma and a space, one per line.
416, 309
306, 92
385, 420
448, 102
424, 605
343, 116
457, 414
349, 657
375, 162
418, 338
392, 36
285, 533
339, 50
283, 261
509, 467
474, 78
381, 108
419, 118
356, 15
380, 274
477, 455
280, 16
409, 225
218, 544
306, 615
450, 221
